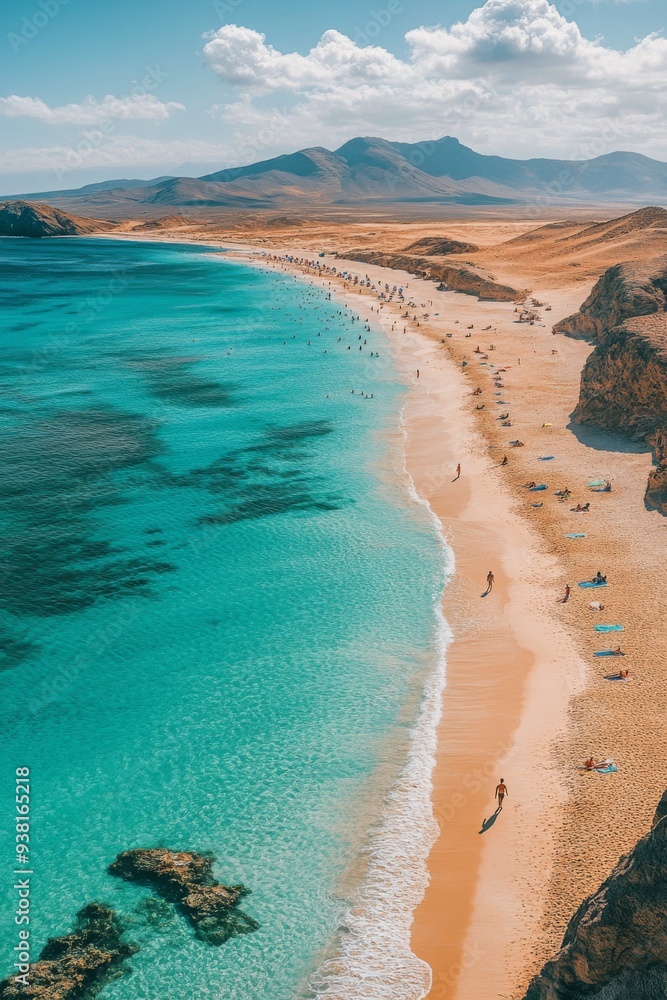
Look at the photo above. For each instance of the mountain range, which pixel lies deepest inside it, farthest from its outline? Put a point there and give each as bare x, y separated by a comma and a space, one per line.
372, 170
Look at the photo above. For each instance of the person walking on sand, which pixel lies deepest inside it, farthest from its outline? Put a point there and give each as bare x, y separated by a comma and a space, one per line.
489, 581
567, 593
501, 792
458, 471
418, 373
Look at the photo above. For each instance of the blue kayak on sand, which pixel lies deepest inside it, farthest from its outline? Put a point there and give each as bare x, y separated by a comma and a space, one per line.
608, 628
607, 652
542, 486
591, 583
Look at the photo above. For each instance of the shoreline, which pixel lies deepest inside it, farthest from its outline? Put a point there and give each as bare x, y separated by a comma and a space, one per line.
561, 833
448, 937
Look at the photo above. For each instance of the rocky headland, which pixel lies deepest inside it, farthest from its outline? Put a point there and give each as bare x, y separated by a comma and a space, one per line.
184, 878
624, 381
78, 964
615, 946
21, 218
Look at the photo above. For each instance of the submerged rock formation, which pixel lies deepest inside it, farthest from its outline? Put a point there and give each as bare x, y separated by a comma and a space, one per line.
457, 279
624, 381
21, 218
77, 964
615, 946
184, 878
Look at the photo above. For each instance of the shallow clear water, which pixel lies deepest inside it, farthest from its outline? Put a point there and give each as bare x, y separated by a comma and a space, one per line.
217, 598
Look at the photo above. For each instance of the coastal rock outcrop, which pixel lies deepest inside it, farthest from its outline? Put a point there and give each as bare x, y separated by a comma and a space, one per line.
624, 291
624, 381
21, 218
184, 878
615, 946
457, 279
77, 964
440, 246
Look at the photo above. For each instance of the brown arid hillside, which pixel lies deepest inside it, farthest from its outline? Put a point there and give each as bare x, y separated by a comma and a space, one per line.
19, 218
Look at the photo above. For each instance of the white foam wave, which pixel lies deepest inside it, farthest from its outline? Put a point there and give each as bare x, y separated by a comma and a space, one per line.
375, 960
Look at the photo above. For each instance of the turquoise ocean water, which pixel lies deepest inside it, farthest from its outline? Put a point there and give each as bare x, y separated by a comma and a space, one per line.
217, 608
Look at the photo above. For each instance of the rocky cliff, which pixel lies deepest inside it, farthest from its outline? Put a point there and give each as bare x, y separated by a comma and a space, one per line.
615, 946
457, 279
624, 291
624, 381
19, 218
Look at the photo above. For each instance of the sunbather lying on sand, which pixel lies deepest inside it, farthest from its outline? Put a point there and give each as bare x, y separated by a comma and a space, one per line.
530, 486
518, 444
581, 510
591, 765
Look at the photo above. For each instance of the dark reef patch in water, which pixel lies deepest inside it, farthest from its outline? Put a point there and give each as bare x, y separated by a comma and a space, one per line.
14, 649
273, 476
172, 380
61, 469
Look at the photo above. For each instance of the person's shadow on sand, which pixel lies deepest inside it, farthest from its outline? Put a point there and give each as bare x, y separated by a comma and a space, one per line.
486, 592
488, 823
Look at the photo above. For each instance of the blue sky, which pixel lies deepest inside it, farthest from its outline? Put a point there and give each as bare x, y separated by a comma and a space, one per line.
91, 89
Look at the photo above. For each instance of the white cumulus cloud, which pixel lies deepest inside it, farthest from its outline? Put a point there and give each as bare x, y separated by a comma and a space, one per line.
138, 107
241, 56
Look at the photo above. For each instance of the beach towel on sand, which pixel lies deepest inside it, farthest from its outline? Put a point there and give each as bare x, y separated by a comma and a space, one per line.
608, 628
592, 584
609, 769
597, 482
595, 606
577, 534
546, 458
617, 677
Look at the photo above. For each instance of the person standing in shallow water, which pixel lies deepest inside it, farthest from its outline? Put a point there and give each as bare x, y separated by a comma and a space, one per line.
501, 792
